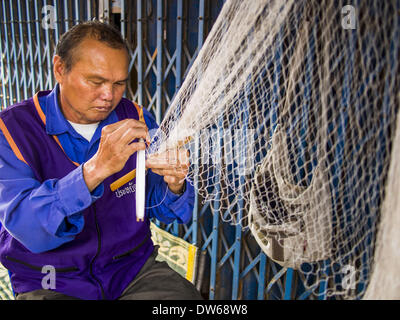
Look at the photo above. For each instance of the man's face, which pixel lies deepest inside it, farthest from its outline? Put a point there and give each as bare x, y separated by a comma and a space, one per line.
94, 85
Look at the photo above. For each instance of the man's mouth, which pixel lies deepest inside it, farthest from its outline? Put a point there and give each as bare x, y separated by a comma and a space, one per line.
103, 109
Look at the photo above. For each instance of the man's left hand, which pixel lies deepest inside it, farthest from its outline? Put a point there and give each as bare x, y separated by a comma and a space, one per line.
173, 165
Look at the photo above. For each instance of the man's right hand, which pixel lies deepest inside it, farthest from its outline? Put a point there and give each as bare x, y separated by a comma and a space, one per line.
115, 148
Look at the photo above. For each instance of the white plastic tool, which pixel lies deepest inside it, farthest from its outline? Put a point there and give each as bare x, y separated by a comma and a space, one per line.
140, 183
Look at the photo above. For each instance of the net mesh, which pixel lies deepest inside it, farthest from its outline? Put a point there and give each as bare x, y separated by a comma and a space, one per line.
289, 113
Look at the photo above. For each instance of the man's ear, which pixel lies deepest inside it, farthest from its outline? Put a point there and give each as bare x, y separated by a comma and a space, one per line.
58, 68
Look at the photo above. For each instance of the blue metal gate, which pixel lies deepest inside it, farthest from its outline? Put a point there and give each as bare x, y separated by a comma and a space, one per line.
165, 37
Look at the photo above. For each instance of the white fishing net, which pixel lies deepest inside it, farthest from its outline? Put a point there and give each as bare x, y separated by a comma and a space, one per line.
289, 112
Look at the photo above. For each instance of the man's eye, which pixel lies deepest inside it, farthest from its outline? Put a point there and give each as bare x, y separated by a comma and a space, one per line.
96, 83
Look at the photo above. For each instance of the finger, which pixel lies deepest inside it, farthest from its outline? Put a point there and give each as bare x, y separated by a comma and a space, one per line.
152, 164
183, 157
132, 148
169, 159
172, 180
131, 134
118, 137
180, 156
157, 163
126, 122
176, 173
131, 123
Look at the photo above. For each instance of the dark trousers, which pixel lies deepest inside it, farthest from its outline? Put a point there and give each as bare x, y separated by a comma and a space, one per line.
155, 281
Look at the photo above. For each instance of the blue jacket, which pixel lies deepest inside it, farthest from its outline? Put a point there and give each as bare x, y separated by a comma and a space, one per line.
47, 212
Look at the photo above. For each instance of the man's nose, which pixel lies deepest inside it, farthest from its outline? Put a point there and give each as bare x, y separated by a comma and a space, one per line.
107, 93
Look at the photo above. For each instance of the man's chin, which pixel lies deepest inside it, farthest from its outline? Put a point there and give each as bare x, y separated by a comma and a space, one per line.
99, 114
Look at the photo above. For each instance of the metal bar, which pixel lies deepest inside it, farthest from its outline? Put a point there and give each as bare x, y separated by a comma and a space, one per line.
178, 80
324, 283
88, 10
178, 59
22, 46
195, 217
215, 212
188, 231
159, 60
66, 22
49, 82
140, 51
200, 37
262, 275
171, 61
56, 22
14, 45
38, 47
8, 59
306, 293
288, 284
276, 276
245, 147
237, 256
123, 18
214, 251
122, 29
76, 7
227, 254
170, 66
3, 103
242, 172
276, 279
175, 228
250, 266
207, 241
104, 11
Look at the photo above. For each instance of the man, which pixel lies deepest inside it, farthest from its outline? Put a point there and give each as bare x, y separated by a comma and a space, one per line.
59, 153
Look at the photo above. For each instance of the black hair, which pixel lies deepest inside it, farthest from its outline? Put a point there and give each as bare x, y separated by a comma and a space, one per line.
96, 30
